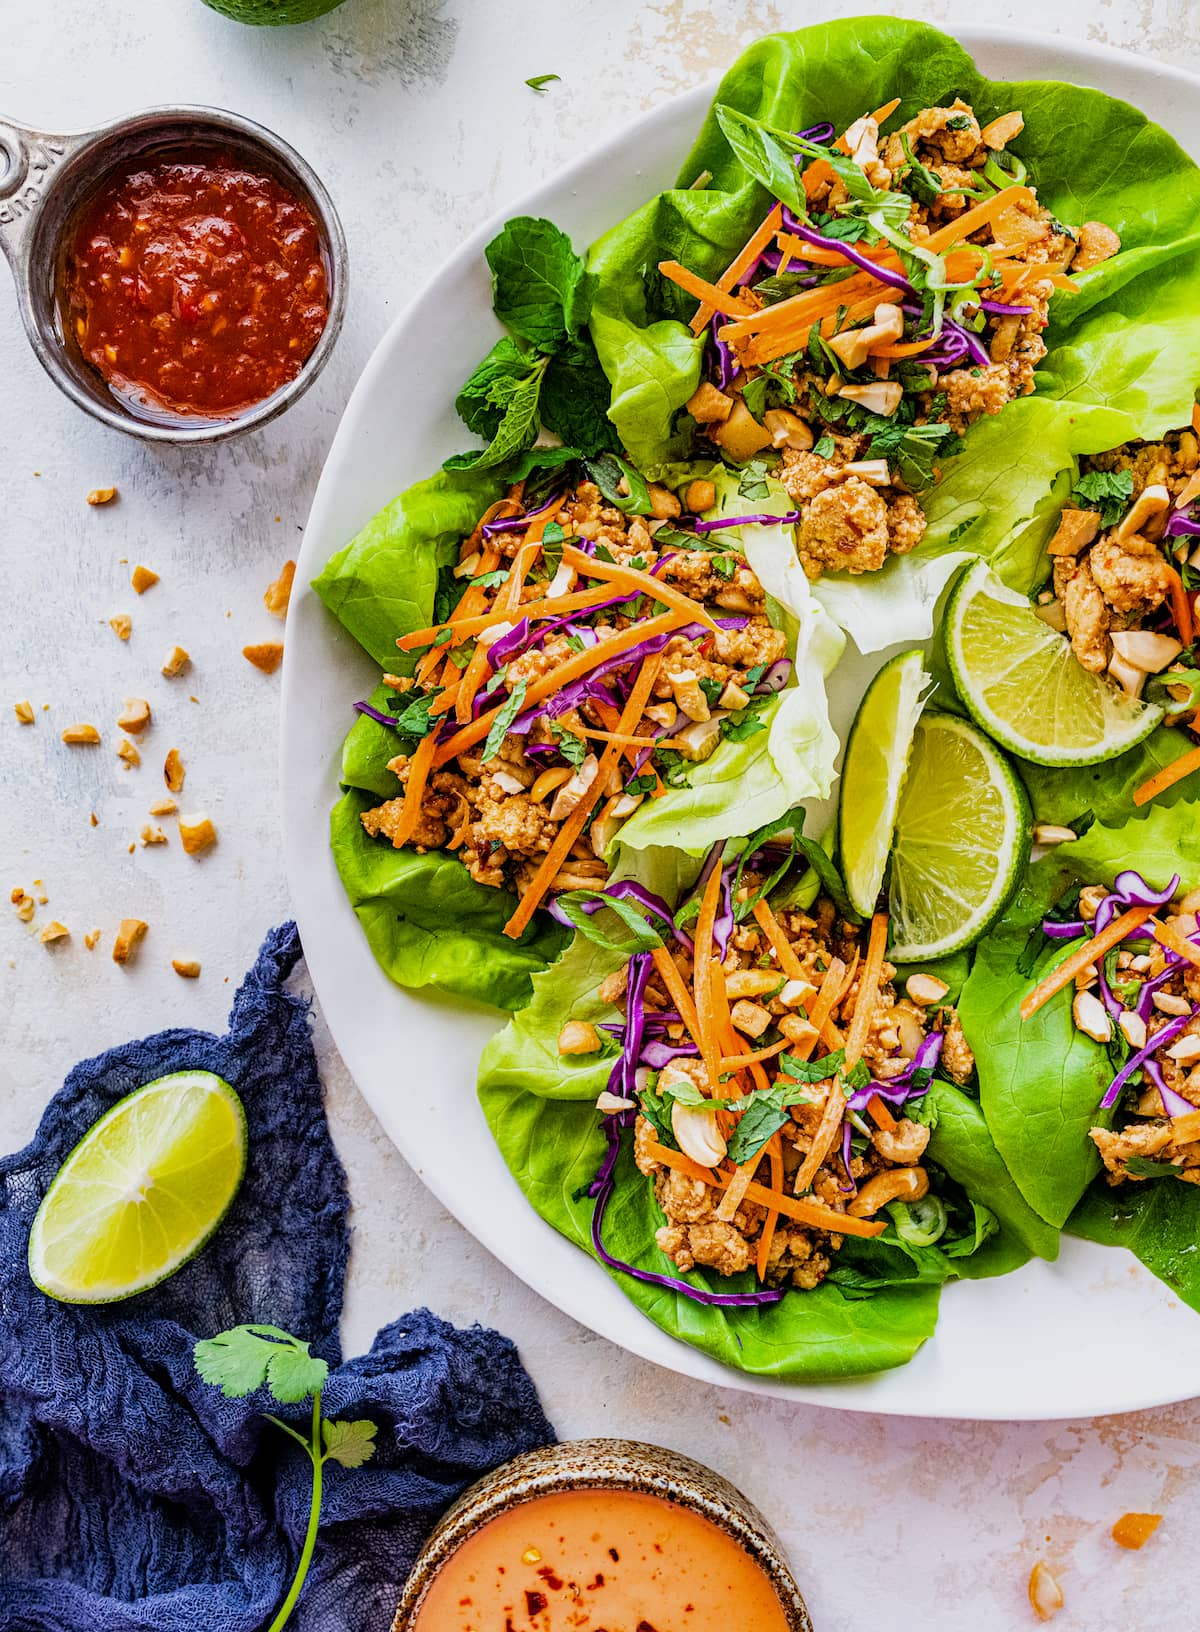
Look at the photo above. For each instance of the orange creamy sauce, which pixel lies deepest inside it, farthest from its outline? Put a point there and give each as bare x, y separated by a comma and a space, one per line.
600, 1561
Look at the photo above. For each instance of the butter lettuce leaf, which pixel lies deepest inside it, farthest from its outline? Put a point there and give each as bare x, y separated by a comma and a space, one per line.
1158, 1220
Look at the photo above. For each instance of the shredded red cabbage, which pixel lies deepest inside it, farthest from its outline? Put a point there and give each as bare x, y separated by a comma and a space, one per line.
884, 274
1135, 1062
1129, 889
973, 347
374, 714
1173, 1104
1001, 310
517, 524
1183, 525
896, 1090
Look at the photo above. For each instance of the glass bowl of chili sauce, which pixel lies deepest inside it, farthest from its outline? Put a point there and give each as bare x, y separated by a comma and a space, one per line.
181, 273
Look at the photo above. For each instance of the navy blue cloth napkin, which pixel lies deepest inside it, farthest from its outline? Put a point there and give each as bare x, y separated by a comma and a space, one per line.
132, 1496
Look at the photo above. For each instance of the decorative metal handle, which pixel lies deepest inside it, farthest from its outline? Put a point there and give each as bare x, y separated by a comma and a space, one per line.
28, 159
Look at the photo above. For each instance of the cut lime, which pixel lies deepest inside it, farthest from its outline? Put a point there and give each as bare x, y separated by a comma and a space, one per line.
872, 774
142, 1191
961, 842
1021, 682
273, 11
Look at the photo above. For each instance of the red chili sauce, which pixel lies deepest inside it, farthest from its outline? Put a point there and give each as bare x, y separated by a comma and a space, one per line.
196, 287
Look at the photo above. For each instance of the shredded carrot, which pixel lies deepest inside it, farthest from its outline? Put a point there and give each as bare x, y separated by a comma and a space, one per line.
740, 265
880, 1115
819, 1014
734, 1062
418, 775
784, 951
1167, 777
1196, 417
702, 976
828, 1129
1090, 952
464, 626
816, 175
868, 991
632, 578
615, 736
545, 687
811, 1213
574, 824
1181, 607
909, 348
1166, 936
668, 971
507, 599
739, 1183
708, 293
767, 1236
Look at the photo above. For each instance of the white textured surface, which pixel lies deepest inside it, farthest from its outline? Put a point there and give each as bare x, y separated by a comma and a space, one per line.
416, 114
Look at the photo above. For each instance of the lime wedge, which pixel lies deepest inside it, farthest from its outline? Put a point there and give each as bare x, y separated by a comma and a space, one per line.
142, 1191
961, 842
1020, 681
872, 774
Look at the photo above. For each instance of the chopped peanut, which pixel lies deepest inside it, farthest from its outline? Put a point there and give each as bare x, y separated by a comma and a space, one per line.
102, 495
163, 807
152, 835
1076, 530
135, 716
54, 931
143, 578
278, 594
121, 625
196, 833
189, 968
24, 712
700, 496
1133, 1530
926, 989
81, 736
175, 662
173, 771
267, 655
1045, 1594
130, 932
94, 819
127, 752
751, 1019
578, 1037
24, 904
90, 939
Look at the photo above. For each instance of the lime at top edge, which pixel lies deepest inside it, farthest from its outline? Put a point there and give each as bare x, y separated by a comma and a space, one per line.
873, 772
142, 1191
1021, 682
961, 844
273, 12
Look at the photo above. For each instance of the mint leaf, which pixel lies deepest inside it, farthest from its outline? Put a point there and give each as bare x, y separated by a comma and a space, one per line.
482, 401
825, 447
1108, 491
506, 716
515, 398
608, 472
911, 449
763, 1114
813, 1070
540, 287
572, 748
350, 1443
576, 397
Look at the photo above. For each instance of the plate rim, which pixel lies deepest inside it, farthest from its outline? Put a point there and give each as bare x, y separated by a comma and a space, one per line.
642, 1337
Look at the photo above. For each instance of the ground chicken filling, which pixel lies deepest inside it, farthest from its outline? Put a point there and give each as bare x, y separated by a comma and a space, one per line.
770, 1009
1148, 1143
862, 410
501, 802
1123, 582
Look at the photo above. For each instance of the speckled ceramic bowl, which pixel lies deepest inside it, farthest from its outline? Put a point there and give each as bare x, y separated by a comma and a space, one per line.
606, 1464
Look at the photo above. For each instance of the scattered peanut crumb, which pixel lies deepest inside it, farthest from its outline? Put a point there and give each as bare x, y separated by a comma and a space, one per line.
193, 699
1045, 1594
135, 716
189, 968
94, 819
163, 807
142, 578
24, 712
42, 897
90, 939
130, 932
23, 903
1133, 1530
175, 662
121, 625
81, 736
267, 655
132, 847
152, 835
54, 931
102, 495
278, 594
173, 771
196, 833
129, 754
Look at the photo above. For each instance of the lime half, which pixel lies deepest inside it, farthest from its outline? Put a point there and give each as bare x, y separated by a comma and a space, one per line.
1021, 682
142, 1191
873, 772
961, 842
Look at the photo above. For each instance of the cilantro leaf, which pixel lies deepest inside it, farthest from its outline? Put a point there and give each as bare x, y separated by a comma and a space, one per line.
825, 447
657, 1112
753, 481
350, 1443
763, 1114
1108, 491
508, 713
540, 287
572, 748
415, 720
912, 449
746, 723
245, 1357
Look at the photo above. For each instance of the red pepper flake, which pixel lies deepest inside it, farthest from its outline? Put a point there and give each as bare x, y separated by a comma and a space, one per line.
594, 1586
553, 1581
536, 1602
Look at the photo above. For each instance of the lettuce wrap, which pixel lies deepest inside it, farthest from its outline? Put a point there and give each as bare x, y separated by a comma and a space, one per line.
1118, 365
